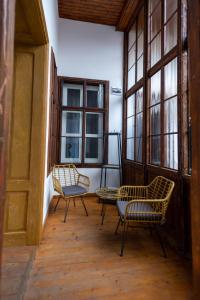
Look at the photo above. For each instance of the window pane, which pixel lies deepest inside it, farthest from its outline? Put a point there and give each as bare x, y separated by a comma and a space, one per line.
130, 127
171, 34
138, 149
131, 106
130, 149
94, 123
131, 77
155, 83
155, 50
139, 125
71, 122
131, 57
72, 95
140, 46
155, 22
139, 101
132, 36
95, 95
152, 5
140, 68
155, 150
170, 79
155, 120
71, 149
94, 150
171, 151
170, 7
170, 111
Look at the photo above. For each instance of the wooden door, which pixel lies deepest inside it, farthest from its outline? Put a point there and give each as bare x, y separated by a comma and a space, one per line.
25, 179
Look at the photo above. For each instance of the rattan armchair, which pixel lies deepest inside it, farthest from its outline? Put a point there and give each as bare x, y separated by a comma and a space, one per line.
69, 184
146, 205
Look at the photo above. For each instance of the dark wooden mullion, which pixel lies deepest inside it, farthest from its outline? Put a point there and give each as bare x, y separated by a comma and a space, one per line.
162, 116
135, 128
154, 9
145, 90
136, 87
172, 15
125, 86
84, 122
179, 88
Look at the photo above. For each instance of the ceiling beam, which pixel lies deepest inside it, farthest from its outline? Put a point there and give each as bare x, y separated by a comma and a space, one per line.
126, 14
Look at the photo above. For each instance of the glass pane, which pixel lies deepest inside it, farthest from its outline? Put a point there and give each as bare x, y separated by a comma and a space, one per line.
139, 101
170, 112
155, 150
138, 149
71, 122
170, 7
155, 50
139, 125
155, 22
155, 120
132, 36
131, 77
171, 34
152, 5
131, 106
171, 151
140, 27
130, 149
71, 149
130, 127
170, 79
94, 150
95, 95
131, 57
72, 95
94, 123
140, 45
155, 84
140, 68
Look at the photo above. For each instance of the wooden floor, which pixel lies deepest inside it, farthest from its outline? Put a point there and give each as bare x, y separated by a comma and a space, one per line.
79, 260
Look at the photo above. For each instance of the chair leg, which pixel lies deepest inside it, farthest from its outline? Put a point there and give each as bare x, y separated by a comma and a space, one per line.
161, 242
84, 206
124, 235
74, 203
66, 209
117, 225
57, 203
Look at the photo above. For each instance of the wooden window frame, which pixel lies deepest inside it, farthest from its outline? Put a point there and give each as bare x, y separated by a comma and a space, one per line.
84, 109
176, 51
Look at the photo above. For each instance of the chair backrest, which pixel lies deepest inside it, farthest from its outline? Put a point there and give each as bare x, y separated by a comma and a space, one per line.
160, 188
66, 174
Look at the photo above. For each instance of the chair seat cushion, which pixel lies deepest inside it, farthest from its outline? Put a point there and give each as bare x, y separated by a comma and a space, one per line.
138, 207
73, 190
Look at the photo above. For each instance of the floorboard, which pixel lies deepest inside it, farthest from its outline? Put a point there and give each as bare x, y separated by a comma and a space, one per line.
80, 260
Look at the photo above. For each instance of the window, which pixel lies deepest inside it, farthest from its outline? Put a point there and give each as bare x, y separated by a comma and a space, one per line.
152, 126
136, 50
83, 120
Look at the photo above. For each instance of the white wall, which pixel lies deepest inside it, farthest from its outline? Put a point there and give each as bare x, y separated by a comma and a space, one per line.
89, 51
93, 51
51, 15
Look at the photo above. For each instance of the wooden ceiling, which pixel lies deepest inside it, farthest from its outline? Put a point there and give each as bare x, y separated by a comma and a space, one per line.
107, 12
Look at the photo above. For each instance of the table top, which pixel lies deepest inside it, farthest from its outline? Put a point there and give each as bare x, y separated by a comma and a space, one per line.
108, 193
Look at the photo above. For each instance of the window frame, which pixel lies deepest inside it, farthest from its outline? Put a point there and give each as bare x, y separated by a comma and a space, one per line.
84, 109
176, 52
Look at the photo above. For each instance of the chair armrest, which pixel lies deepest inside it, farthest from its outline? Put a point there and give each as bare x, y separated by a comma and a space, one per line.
84, 180
133, 192
57, 186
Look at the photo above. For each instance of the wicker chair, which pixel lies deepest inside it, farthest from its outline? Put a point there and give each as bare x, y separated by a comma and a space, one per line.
69, 184
146, 205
